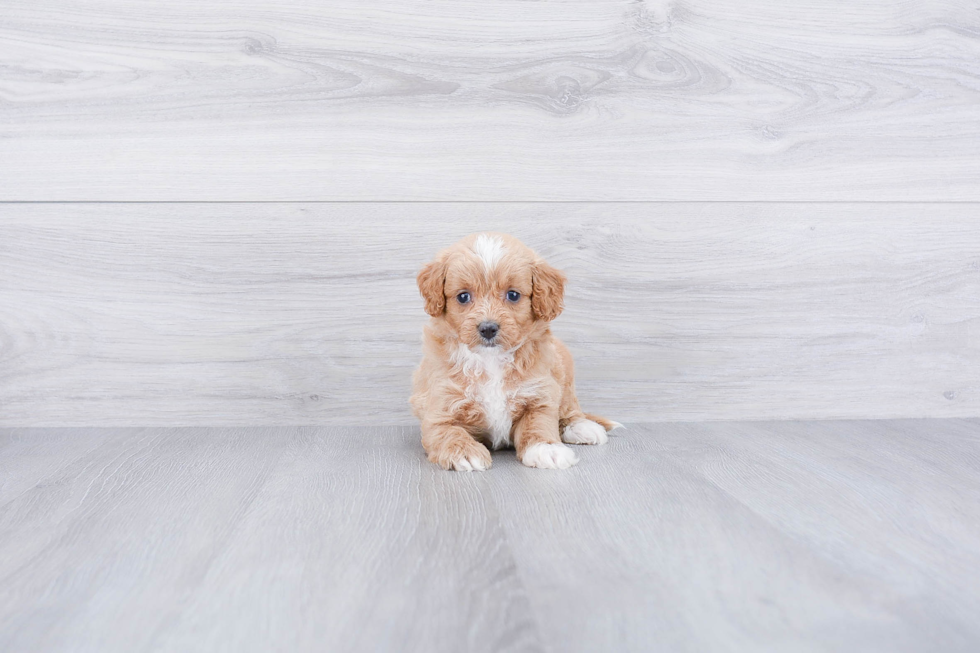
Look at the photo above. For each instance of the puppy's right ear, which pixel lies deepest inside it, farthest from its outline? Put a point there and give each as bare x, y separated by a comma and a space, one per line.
432, 285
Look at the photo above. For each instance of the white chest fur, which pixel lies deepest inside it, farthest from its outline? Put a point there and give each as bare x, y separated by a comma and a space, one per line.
486, 369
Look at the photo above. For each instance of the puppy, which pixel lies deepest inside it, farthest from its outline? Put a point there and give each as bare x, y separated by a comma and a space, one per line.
492, 375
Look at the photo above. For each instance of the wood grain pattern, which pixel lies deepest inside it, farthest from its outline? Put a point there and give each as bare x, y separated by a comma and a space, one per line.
27, 455
829, 536
306, 539
508, 100
245, 314
727, 536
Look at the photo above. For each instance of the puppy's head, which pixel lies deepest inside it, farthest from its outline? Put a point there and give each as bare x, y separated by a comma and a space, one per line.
491, 290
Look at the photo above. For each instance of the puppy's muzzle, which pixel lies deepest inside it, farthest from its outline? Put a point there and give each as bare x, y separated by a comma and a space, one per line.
488, 330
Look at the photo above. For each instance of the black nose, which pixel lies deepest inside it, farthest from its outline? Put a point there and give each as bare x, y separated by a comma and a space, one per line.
488, 329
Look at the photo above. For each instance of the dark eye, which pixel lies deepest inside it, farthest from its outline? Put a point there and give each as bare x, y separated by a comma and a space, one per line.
463, 298
513, 295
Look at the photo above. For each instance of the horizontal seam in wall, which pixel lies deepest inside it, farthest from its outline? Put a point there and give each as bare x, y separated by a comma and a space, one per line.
923, 202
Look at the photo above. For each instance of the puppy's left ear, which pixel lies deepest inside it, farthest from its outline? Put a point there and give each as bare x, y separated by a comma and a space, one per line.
547, 291
432, 285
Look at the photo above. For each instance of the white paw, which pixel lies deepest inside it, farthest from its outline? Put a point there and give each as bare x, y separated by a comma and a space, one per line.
584, 431
471, 464
549, 456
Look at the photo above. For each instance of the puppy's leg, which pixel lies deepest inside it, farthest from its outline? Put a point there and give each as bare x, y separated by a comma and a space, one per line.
578, 427
537, 442
582, 428
585, 428
452, 447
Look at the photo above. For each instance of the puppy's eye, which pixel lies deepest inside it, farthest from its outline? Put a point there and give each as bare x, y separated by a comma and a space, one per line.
513, 295
463, 298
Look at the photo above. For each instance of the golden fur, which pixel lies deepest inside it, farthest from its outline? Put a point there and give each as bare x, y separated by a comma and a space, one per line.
517, 389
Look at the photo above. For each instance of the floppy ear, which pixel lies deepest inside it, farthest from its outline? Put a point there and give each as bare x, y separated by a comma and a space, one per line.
547, 291
432, 285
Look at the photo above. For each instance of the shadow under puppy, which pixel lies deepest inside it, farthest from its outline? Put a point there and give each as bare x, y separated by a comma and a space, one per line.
492, 374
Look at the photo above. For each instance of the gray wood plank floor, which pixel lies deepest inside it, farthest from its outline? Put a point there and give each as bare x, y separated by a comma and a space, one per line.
817, 536
265, 314
504, 100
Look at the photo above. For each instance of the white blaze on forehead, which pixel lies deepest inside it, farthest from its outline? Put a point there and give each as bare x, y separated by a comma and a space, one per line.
490, 249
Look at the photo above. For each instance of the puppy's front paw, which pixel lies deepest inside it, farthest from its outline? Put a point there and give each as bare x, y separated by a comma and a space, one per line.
584, 431
544, 455
464, 456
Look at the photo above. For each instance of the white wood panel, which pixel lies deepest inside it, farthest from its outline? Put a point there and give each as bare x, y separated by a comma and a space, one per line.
793, 536
504, 100
240, 314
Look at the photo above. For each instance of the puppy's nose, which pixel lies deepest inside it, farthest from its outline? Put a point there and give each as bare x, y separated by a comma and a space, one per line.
488, 329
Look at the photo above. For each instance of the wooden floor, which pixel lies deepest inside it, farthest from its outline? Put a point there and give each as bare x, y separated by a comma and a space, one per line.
803, 536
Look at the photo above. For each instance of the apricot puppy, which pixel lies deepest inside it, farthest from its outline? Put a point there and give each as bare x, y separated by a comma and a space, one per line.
492, 374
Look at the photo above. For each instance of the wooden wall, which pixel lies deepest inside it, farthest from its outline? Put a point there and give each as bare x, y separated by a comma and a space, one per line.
212, 213
504, 100
308, 313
